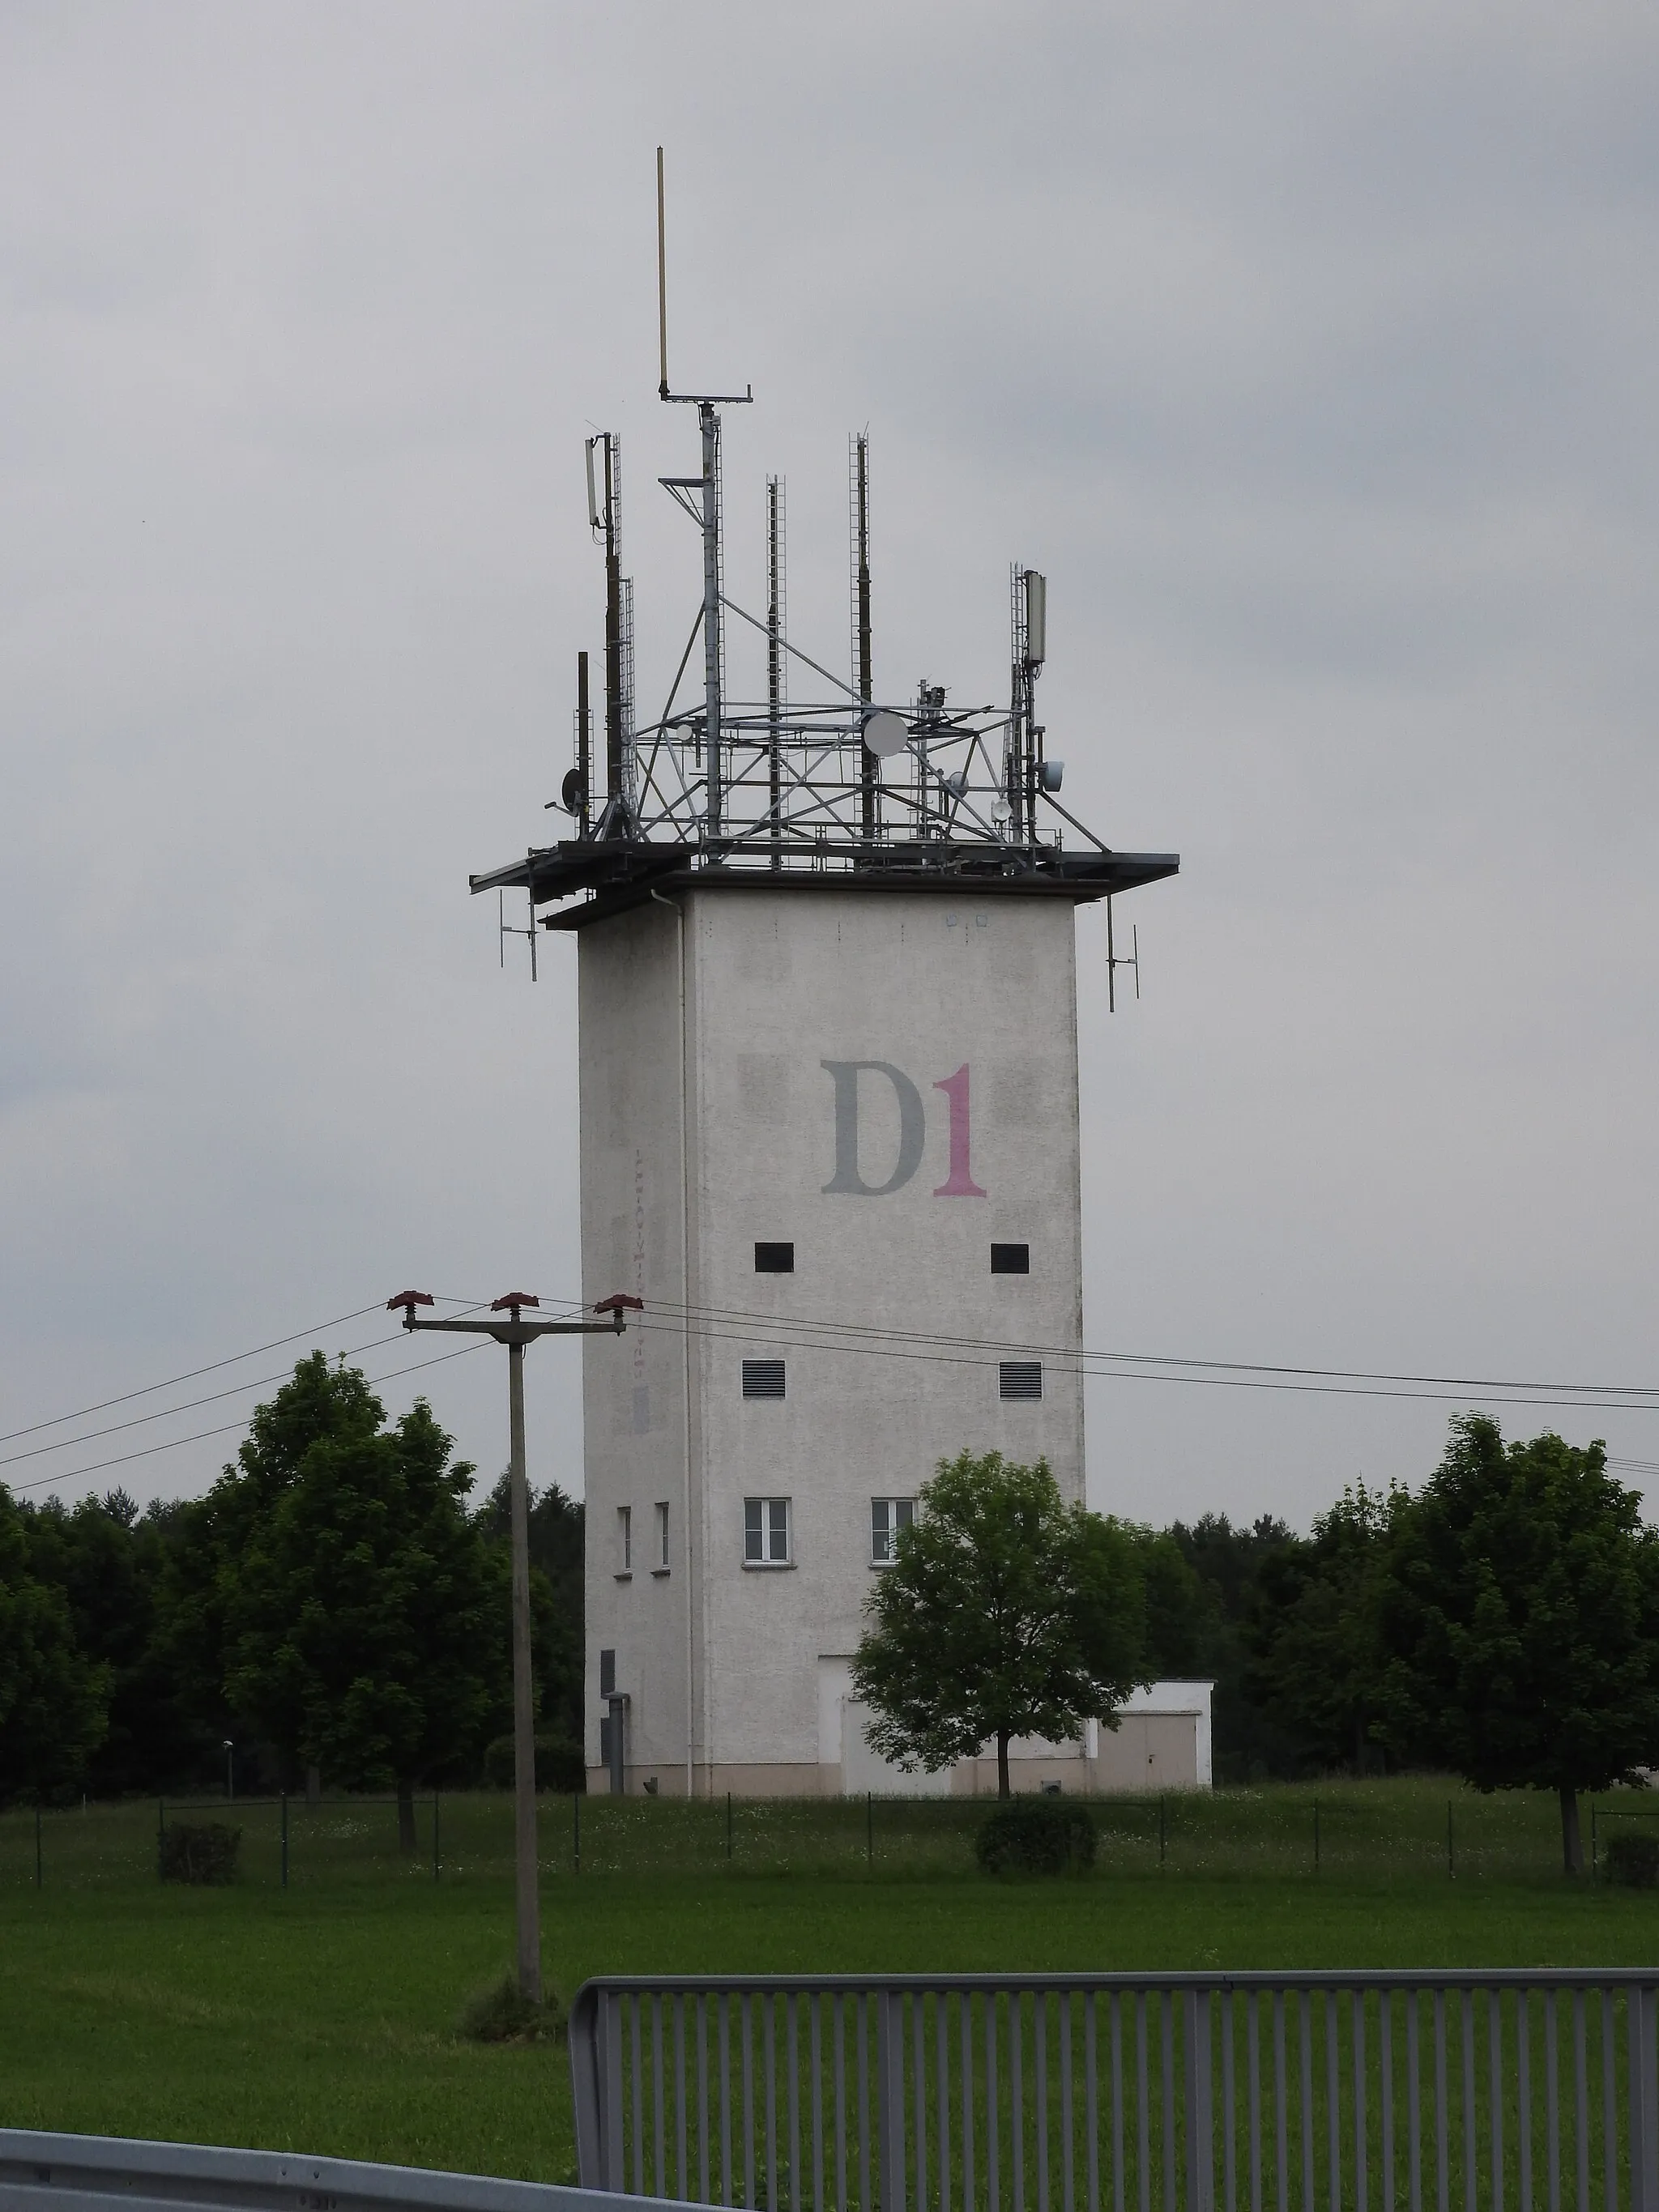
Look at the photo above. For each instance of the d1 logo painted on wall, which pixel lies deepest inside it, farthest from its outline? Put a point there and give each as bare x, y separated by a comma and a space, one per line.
848, 1179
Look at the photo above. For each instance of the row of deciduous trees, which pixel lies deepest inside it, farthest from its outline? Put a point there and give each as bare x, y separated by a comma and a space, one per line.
1502, 1623
336, 1604
333, 1605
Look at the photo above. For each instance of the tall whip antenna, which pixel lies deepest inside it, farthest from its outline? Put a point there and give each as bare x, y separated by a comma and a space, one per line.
662, 285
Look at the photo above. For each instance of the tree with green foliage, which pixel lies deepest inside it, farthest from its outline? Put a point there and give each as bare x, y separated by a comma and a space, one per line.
1006, 1613
109, 1562
1519, 1619
1313, 1635
365, 1615
54, 1701
1249, 1745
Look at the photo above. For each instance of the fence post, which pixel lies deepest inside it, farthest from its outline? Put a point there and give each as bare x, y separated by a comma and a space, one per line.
588, 2083
576, 1830
870, 1827
1316, 1835
160, 1833
1595, 1810
284, 1839
728, 1823
1644, 2105
1451, 1856
1160, 1828
1200, 2148
37, 1843
435, 1835
889, 2097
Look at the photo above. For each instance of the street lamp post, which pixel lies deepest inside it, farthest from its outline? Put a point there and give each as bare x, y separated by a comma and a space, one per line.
515, 1333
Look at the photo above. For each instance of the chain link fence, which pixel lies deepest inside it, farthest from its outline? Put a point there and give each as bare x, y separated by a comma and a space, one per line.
1415, 1826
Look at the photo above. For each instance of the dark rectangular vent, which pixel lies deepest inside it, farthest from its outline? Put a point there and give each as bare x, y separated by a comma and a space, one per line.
1020, 1378
764, 1378
607, 1674
1011, 1258
775, 1258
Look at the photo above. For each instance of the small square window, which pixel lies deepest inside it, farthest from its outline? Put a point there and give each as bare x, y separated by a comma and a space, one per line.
763, 1379
624, 1539
887, 1517
1011, 1258
1020, 1378
775, 1258
766, 1532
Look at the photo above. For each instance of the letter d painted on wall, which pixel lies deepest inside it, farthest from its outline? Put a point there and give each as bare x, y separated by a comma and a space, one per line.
912, 1128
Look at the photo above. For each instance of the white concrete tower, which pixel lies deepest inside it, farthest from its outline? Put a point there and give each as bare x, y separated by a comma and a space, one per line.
829, 1137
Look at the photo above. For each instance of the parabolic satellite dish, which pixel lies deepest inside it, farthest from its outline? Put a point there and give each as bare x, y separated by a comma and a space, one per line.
885, 734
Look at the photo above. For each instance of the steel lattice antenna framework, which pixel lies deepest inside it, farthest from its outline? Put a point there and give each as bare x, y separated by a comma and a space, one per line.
901, 794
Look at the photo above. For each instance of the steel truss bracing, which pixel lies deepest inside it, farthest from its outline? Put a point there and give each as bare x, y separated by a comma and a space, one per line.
788, 786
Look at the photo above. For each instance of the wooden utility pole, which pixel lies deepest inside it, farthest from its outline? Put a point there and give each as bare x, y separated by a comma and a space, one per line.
514, 1332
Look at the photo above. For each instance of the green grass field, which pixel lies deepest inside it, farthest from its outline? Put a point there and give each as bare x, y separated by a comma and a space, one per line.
1423, 1825
321, 2018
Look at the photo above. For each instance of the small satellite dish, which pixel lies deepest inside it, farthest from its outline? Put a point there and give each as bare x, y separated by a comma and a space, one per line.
570, 791
885, 734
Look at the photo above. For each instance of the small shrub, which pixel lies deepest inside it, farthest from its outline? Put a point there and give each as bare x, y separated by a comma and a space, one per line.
1632, 1858
203, 1852
503, 2013
1036, 1835
560, 1764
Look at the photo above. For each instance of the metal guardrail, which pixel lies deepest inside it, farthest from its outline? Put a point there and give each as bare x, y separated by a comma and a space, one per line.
1517, 2091
42, 2172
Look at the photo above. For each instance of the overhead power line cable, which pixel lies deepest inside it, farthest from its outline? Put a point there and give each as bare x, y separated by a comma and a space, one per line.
10, 1436
213, 1397
225, 1429
1565, 1391
869, 1343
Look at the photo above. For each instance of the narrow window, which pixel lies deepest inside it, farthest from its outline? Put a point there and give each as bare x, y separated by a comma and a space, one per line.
625, 1539
662, 1540
1020, 1378
1011, 1258
775, 1258
607, 1674
766, 1532
763, 1379
887, 1517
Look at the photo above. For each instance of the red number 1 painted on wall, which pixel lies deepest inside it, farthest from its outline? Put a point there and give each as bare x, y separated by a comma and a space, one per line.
960, 1182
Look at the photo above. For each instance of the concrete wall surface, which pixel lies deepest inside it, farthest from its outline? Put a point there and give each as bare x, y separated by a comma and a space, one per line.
887, 1082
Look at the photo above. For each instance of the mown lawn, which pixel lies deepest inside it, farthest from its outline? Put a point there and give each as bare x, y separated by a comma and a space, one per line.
321, 2019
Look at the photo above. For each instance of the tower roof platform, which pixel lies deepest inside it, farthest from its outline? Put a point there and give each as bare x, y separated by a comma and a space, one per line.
617, 873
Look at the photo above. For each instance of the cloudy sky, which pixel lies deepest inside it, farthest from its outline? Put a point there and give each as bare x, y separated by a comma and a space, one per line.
1311, 351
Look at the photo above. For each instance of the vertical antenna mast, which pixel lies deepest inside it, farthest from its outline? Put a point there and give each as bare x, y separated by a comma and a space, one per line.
611, 522
862, 674
776, 617
662, 284
1028, 598
584, 748
708, 512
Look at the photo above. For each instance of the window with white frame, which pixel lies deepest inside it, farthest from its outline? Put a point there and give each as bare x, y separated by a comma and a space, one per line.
887, 1517
661, 1567
624, 1539
766, 1532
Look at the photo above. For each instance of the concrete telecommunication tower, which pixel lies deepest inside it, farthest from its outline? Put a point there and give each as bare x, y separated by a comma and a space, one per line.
828, 1102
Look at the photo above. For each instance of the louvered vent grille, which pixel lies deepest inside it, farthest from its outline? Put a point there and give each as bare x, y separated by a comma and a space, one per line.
1018, 1378
764, 1378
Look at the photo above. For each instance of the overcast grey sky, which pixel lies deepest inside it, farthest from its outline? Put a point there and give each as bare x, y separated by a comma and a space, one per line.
1310, 351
